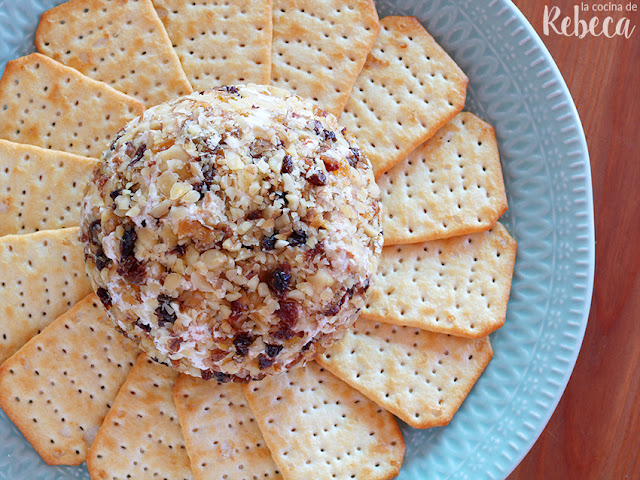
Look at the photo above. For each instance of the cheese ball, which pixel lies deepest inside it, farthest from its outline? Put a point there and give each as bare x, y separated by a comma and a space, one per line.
232, 233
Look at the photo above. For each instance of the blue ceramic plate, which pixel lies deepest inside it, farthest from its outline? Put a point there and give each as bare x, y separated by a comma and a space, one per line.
514, 85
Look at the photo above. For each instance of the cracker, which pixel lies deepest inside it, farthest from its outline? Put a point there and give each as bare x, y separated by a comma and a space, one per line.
140, 437
317, 426
58, 388
41, 276
421, 377
408, 89
458, 286
222, 437
220, 43
319, 47
40, 189
120, 43
450, 185
44, 103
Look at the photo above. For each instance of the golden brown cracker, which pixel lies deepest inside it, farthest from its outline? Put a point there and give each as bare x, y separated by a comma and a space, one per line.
458, 286
422, 377
140, 437
317, 426
47, 104
222, 437
122, 44
40, 189
319, 47
220, 43
58, 388
450, 185
408, 89
41, 276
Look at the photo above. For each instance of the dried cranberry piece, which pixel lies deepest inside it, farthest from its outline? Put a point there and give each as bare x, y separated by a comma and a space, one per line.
206, 374
101, 259
280, 279
288, 312
269, 243
139, 154
104, 297
330, 164
317, 178
165, 312
287, 164
297, 237
264, 362
273, 350
315, 251
242, 342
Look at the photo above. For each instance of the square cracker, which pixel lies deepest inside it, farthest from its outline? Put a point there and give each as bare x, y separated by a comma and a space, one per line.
140, 437
58, 388
458, 286
317, 426
220, 43
40, 189
41, 276
408, 89
221, 434
450, 185
120, 43
319, 47
44, 103
422, 377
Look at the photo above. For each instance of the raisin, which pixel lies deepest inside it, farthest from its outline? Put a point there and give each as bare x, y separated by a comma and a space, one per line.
317, 178
307, 346
165, 312
179, 250
174, 346
132, 270
255, 215
242, 342
101, 259
273, 350
297, 237
139, 154
230, 89
288, 312
237, 309
128, 242
206, 374
94, 230
221, 377
104, 297
287, 164
269, 243
115, 194
280, 279
143, 223
355, 156
317, 127
315, 251
146, 328
264, 362
329, 135
284, 333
